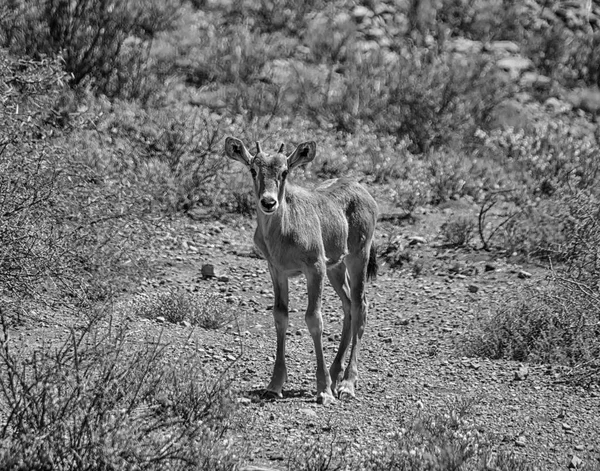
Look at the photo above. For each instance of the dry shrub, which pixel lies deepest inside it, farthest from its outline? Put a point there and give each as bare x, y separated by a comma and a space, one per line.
100, 42
104, 401
64, 230
205, 310
559, 323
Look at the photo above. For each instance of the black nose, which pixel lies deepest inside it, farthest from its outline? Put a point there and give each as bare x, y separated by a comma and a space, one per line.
268, 203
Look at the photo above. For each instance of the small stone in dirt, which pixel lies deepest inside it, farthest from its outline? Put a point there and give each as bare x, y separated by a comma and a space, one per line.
579, 448
575, 462
209, 270
489, 267
521, 441
473, 288
308, 412
522, 373
185, 323
160, 319
415, 240
523, 274
223, 278
566, 426
244, 400
402, 321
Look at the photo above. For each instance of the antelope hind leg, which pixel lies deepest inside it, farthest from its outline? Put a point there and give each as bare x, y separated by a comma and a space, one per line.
338, 277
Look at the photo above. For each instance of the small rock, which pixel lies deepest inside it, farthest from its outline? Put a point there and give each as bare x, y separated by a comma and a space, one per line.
555, 105
575, 462
473, 288
361, 12
514, 65
415, 240
185, 323
523, 274
465, 46
209, 270
489, 267
244, 400
579, 448
566, 426
308, 412
521, 441
160, 319
223, 279
507, 47
587, 99
522, 373
533, 79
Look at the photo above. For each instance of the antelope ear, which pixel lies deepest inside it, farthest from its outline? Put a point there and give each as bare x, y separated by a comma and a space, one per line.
303, 154
236, 150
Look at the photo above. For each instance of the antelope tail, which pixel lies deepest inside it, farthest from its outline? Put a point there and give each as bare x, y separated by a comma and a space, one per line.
372, 267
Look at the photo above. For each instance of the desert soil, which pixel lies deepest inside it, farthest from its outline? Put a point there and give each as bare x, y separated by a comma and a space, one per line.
411, 362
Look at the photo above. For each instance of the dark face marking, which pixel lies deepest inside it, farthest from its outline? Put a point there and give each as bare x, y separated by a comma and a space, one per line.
269, 174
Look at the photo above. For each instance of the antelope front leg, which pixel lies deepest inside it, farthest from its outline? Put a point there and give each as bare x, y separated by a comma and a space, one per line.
314, 322
280, 314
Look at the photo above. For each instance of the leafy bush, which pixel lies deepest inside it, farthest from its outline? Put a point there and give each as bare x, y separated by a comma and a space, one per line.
101, 42
538, 173
434, 100
571, 59
101, 401
487, 20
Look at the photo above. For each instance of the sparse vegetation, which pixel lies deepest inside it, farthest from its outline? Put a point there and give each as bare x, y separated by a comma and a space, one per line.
176, 306
428, 441
458, 232
560, 322
101, 401
114, 113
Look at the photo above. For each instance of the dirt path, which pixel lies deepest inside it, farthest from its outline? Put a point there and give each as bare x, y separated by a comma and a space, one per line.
411, 363
411, 360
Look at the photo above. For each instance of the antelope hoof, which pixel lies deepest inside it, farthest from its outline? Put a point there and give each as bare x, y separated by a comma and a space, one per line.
346, 391
272, 394
325, 398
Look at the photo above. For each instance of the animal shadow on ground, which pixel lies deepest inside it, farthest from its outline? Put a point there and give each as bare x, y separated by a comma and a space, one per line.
262, 394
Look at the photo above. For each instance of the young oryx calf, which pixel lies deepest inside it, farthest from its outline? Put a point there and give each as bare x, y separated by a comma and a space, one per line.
328, 231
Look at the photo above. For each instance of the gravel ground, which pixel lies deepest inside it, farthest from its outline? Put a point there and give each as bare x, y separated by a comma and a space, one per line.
411, 361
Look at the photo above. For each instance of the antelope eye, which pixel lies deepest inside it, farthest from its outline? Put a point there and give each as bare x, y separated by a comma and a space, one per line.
284, 174
253, 173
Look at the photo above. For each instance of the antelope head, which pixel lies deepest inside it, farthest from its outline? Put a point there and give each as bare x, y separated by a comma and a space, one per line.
269, 172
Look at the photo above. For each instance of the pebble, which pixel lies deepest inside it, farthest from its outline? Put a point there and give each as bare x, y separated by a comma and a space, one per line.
522, 373
308, 412
575, 462
521, 441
